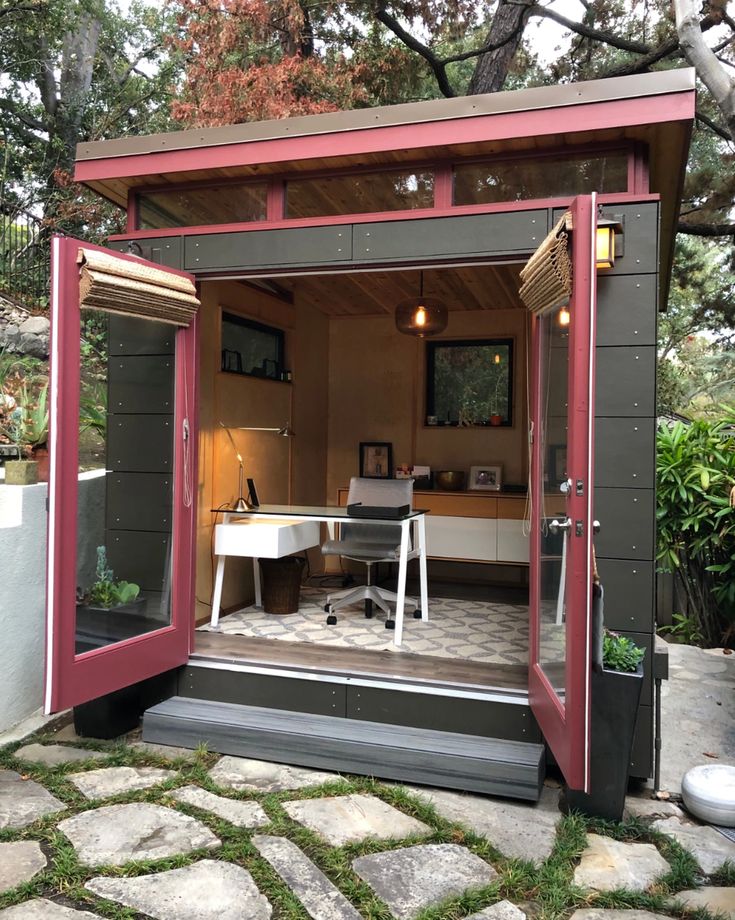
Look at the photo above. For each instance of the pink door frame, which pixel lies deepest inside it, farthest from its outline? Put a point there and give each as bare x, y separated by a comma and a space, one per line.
566, 724
72, 679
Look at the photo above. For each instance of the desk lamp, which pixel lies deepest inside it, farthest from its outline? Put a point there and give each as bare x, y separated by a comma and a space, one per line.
242, 503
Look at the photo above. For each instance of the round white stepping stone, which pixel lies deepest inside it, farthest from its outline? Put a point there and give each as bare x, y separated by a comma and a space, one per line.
352, 818
609, 864
519, 830
116, 834
52, 755
19, 862
716, 900
241, 814
109, 781
503, 910
263, 776
41, 909
24, 801
413, 878
706, 845
709, 793
206, 890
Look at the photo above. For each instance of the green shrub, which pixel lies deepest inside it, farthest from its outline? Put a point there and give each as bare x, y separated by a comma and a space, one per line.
620, 653
695, 466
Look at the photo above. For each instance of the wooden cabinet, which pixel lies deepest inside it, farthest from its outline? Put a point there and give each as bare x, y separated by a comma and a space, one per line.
472, 526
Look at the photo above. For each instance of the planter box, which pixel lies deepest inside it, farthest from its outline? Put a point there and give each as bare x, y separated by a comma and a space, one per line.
21, 472
138, 607
615, 697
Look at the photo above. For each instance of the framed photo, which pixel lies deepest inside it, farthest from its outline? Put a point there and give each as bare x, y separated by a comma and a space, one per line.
487, 478
376, 460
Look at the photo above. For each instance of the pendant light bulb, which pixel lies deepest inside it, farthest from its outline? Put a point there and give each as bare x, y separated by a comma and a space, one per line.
420, 317
564, 317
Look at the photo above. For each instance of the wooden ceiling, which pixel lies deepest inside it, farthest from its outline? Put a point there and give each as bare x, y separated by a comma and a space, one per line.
476, 287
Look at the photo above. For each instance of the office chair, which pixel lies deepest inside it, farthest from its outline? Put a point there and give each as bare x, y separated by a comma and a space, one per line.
370, 542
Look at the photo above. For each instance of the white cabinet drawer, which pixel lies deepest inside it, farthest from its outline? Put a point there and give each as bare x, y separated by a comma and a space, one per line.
462, 538
269, 538
512, 542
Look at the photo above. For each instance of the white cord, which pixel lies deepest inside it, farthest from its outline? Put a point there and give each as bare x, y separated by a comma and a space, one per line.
186, 435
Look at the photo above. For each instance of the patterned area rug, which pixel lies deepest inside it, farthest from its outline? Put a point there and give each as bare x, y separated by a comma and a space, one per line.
467, 629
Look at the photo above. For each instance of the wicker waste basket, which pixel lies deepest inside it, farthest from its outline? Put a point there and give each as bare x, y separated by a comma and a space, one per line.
281, 583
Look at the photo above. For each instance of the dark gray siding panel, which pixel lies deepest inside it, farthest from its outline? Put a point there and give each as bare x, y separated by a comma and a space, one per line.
624, 452
268, 248
164, 250
641, 760
139, 501
626, 309
520, 232
644, 640
131, 336
308, 696
626, 381
144, 383
470, 717
628, 593
139, 557
627, 521
140, 443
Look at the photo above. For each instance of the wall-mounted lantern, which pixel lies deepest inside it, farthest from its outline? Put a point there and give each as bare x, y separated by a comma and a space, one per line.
609, 242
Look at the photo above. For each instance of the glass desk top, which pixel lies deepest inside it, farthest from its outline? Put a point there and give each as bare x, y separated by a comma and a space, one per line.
313, 511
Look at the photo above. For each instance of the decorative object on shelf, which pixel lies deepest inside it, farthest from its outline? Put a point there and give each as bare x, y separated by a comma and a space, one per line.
421, 316
449, 480
242, 503
469, 382
616, 690
486, 478
376, 460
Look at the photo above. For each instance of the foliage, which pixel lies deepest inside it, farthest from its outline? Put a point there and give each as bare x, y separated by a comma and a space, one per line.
93, 409
683, 629
26, 421
696, 526
105, 591
619, 653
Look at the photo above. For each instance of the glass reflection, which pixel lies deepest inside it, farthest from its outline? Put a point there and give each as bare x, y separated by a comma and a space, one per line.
554, 352
124, 503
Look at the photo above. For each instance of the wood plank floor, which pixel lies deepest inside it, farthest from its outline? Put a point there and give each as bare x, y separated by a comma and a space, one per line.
386, 665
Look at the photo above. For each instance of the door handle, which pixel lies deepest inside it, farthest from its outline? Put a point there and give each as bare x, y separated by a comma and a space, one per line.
595, 527
560, 526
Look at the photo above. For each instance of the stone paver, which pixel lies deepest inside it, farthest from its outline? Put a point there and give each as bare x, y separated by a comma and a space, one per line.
115, 834
51, 755
503, 910
206, 890
19, 862
708, 846
651, 808
716, 900
41, 909
320, 898
24, 801
521, 831
413, 878
600, 913
241, 814
352, 818
262, 776
162, 750
109, 781
608, 864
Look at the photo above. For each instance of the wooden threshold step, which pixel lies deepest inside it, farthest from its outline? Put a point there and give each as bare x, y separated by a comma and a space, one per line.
397, 752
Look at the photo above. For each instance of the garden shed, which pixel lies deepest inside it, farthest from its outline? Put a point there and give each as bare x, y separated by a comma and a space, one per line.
379, 296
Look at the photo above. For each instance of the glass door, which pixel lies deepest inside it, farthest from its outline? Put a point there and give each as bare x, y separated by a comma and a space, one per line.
121, 497
563, 347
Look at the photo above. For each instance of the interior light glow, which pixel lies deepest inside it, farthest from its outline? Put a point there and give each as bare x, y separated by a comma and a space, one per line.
420, 317
565, 317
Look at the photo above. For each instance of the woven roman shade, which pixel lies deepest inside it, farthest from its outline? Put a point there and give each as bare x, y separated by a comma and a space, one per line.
547, 276
132, 289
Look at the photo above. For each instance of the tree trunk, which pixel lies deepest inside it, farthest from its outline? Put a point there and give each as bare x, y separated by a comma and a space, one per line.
492, 68
703, 59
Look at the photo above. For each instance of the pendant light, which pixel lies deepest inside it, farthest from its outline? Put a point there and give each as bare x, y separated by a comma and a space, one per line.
421, 316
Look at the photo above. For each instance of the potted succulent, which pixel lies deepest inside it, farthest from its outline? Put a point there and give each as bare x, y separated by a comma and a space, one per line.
106, 594
616, 691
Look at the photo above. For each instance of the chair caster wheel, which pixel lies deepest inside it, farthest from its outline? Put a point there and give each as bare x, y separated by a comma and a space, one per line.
417, 614
327, 608
331, 620
390, 624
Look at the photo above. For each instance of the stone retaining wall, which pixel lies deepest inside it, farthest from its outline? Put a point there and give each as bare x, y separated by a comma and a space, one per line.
21, 333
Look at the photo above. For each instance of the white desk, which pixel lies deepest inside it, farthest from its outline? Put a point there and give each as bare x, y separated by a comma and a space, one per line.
273, 531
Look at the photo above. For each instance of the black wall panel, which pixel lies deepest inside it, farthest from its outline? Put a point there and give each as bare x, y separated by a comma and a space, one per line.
139, 501
625, 381
129, 335
268, 248
624, 315
166, 250
641, 760
629, 587
625, 452
139, 556
140, 443
627, 523
141, 384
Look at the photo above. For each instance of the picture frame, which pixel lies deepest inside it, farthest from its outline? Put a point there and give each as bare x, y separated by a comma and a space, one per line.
376, 460
486, 478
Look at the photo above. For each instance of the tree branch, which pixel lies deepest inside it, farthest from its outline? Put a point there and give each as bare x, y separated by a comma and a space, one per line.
585, 31
21, 8
438, 66
705, 229
713, 126
33, 123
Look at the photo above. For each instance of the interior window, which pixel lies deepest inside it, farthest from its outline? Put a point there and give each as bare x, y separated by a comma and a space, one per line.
398, 190
252, 348
469, 382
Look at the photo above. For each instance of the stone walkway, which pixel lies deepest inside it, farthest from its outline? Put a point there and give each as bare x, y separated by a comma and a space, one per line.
129, 830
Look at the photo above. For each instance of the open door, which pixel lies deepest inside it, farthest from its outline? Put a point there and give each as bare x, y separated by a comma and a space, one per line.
122, 439
563, 351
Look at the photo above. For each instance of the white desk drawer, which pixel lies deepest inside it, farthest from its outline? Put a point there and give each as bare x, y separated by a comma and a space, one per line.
462, 538
512, 542
270, 539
